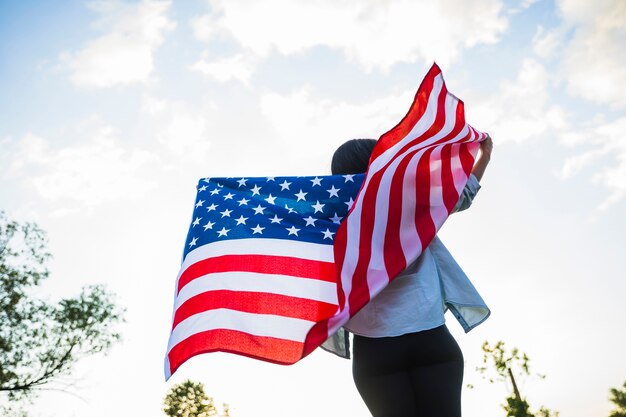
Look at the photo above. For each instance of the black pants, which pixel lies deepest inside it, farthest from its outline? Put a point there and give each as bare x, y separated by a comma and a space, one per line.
416, 374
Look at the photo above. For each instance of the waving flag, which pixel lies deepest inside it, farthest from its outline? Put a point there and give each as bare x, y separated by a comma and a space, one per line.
415, 176
269, 268
258, 271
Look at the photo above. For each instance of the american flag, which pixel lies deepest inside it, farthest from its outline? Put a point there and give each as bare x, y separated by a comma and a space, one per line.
270, 269
414, 179
257, 270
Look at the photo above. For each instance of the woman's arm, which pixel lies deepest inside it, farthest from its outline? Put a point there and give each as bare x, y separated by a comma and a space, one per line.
486, 146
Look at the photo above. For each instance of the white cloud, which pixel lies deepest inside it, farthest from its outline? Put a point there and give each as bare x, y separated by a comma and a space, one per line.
97, 170
519, 109
547, 43
238, 67
125, 54
375, 34
604, 159
181, 130
300, 118
594, 61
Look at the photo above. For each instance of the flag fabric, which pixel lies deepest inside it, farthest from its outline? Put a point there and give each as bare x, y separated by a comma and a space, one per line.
414, 179
271, 269
257, 270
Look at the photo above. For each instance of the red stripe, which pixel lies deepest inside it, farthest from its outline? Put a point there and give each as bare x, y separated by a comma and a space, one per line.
255, 302
394, 259
262, 264
280, 351
416, 111
467, 159
449, 194
316, 336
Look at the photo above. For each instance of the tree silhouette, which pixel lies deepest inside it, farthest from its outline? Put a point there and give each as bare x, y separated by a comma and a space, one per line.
506, 365
618, 397
41, 341
188, 399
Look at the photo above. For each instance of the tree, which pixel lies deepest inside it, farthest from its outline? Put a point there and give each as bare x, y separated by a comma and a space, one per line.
618, 397
40, 341
188, 399
506, 365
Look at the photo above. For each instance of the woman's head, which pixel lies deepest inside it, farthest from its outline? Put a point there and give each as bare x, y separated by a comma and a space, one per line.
352, 157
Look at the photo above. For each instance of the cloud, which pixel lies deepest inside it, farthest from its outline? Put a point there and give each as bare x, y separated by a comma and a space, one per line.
604, 159
238, 67
125, 53
375, 34
594, 60
97, 170
300, 118
519, 109
181, 130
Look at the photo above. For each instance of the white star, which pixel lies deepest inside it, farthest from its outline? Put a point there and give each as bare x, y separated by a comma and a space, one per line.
243, 202
226, 213
349, 203
300, 196
328, 234
318, 207
197, 221
270, 199
258, 209
276, 219
310, 221
242, 182
203, 188
229, 196
193, 242
316, 181
212, 207
284, 186
223, 232
215, 191
348, 177
333, 191
336, 219
270, 179
199, 203
258, 229
241, 220
209, 225
289, 208
255, 190
292, 231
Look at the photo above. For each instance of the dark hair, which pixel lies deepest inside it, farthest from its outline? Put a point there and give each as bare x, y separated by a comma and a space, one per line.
352, 157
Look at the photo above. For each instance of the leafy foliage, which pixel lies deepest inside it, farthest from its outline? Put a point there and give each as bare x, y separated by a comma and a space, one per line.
618, 397
41, 341
507, 364
188, 399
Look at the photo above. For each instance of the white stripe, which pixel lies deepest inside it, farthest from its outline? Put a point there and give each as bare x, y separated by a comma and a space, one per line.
255, 324
270, 247
438, 211
267, 283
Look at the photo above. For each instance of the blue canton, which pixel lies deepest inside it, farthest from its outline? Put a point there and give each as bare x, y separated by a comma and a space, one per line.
307, 209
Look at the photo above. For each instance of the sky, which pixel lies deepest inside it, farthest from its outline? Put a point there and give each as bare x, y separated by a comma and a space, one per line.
110, 111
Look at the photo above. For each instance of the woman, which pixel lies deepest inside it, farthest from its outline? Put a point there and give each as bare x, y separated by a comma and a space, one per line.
406, 362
